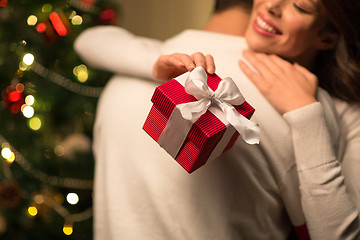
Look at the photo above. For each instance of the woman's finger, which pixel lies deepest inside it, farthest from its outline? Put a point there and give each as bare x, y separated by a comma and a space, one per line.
253, 76
199, 59
186, 60
210, 64
257, 61
168, 66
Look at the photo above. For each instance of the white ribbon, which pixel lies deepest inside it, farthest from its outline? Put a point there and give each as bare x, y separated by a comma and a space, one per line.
226, 95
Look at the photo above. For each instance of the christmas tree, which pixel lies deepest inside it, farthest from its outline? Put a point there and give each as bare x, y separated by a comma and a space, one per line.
47, 111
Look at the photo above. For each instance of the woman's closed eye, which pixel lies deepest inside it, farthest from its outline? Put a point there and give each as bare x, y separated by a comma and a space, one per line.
305, 6
300, 9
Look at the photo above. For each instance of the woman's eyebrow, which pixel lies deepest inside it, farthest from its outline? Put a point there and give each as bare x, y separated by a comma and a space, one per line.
314, 4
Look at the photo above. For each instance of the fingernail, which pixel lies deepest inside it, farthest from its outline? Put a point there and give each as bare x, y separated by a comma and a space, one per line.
210, 70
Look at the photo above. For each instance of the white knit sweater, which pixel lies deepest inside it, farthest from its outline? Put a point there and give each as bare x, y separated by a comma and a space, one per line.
304, 170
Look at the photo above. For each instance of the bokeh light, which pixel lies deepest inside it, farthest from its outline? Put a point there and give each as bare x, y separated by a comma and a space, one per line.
32, 210
11, 159
29, 100
32, 20
77, 20
68, 229
28, 59
59, 150
46, 8
28, 111
35, 123
6, 153
72, 198
81, 72
41, 27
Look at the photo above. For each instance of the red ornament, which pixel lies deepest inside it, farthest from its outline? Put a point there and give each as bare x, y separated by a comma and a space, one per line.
3, 3
108, 17
55, 27
13, 98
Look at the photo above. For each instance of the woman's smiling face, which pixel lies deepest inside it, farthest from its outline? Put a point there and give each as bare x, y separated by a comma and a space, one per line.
288, 28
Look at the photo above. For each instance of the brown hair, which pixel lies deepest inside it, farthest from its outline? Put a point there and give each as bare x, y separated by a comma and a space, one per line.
339, 69
221, 5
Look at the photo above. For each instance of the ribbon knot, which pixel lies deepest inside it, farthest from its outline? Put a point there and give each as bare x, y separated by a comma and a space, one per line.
224, 97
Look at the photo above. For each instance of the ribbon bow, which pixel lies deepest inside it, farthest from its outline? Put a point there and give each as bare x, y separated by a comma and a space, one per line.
219, 103
225, 96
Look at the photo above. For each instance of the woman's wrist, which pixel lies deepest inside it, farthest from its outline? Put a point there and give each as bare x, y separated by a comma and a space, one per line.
310, 136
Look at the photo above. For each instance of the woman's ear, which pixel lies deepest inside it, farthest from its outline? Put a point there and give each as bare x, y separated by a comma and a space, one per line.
327, 40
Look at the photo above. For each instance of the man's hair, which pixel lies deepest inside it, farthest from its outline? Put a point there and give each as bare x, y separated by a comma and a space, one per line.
221, 5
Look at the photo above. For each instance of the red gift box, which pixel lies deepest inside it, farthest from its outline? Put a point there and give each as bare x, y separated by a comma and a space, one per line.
207, 138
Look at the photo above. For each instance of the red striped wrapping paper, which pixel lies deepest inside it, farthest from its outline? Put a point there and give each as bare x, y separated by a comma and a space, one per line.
204, 134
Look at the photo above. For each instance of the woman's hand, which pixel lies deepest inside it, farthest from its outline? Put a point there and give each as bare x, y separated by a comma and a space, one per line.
169, 66
286, 86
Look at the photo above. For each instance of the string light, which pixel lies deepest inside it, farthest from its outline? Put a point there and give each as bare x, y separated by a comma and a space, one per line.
11, 159
46, 8
35, 123
28, 59
32, 20
32, 211
72, 198
68, 229
39, 199
65, 82
19, 87
29, 100
81, 72
43, 177
41, 27
55, 201
14, 96
6, 153
76, 20
27, 111
59, 150
22, 66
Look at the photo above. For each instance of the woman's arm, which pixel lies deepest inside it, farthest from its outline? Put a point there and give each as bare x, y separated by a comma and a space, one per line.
329, 208
117, 50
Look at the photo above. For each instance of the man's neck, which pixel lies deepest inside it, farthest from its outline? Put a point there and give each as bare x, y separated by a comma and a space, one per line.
232, 21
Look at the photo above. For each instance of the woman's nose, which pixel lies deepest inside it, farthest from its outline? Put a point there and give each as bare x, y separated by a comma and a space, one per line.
274, 7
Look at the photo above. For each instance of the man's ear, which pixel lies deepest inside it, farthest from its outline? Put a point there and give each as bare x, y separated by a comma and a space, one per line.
327, 40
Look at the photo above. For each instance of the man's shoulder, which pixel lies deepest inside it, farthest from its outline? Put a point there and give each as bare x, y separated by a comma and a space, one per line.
192, 40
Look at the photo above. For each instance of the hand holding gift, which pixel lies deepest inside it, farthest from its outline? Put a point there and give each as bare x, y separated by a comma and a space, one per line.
197, 116
170, 66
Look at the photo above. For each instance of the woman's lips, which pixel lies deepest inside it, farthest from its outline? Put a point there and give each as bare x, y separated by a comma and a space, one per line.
265, 27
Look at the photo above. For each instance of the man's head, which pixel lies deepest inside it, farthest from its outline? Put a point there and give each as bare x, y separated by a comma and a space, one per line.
221, 5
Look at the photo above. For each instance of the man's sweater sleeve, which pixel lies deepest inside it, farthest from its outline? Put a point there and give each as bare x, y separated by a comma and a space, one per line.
329, 210
117, 50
